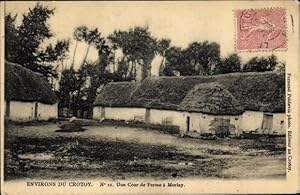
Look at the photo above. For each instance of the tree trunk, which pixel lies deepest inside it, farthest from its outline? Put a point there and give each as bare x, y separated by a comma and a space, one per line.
134, 71
73, 59
161, 67
77, 106
146, 65
86, 54
70, 104
62, 68
114, 64
114, 67
131, 69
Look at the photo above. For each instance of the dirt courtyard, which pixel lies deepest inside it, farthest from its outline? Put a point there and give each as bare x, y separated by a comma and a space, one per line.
115, 152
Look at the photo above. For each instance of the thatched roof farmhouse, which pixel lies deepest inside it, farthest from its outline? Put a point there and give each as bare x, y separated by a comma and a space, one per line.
23, 84
254, 91
253, 96
28, 94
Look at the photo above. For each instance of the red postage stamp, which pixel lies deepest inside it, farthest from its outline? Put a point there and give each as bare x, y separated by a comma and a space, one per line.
260, 29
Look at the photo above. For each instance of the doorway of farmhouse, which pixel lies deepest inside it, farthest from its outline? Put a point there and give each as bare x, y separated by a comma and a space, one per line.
267, 124
188, 121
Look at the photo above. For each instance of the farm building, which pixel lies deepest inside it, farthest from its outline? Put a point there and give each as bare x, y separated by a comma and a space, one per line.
114, 102
210, 107
28, 95
229, 103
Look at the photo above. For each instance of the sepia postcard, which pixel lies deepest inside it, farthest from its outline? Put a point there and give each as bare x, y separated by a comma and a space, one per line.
150, 97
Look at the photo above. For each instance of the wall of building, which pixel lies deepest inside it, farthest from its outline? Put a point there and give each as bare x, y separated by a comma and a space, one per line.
204, 123
21, 111
25, 111
120, 113
200, 123
168, 117
47, 111
252, 120
97, 112
279, 125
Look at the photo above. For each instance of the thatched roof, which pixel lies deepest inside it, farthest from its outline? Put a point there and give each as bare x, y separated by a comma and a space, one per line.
22, 84
254, 91
116, 94
211, 98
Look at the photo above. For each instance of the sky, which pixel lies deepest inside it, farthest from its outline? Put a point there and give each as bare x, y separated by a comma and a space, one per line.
182, 22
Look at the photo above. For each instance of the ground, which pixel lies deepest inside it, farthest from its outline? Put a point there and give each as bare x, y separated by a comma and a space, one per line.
115, 152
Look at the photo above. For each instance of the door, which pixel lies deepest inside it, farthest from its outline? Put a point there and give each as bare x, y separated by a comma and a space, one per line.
7, 108
221, 126
102, 112
188, 123
147, 115
36, 110
267, 122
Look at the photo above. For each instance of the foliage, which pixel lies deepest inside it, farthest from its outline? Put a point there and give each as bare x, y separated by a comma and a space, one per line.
10, 37
51, 54
202, 56
24, 42
90, 36
162, 46
68, 85
261, 64
176, 61
281, 67
198, 58
138, 47
78, 89
232, 63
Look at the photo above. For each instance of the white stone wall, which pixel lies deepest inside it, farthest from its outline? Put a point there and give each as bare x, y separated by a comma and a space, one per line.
237, 122
24, 111
122, 113
249, 120
46, 111
200, 122
279, 123
252, 120
160, 116
21, 111
97, 112
279, 120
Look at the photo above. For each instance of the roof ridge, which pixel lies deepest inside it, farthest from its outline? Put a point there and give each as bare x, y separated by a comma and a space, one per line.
25, 68
218, 75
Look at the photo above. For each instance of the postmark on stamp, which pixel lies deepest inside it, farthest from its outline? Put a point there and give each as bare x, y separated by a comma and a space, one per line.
260, 29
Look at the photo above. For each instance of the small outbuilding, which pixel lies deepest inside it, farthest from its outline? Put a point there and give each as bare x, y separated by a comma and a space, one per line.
28, 95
